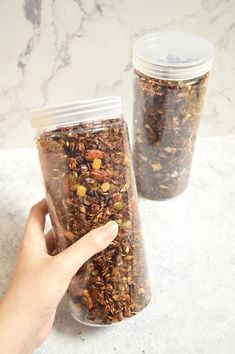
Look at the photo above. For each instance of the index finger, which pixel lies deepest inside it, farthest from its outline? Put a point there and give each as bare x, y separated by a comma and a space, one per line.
36, 219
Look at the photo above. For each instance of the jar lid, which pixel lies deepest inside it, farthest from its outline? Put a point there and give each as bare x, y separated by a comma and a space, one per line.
171, 55
76, 112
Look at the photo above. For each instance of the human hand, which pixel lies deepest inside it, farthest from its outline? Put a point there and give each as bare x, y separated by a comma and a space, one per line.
40, 280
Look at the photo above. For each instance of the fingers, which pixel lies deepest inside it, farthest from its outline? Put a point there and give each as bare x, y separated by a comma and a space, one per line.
95, 241
50, 242
33, 235
36, 219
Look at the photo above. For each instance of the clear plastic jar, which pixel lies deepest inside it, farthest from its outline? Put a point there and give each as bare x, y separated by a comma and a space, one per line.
170, 80
85, 159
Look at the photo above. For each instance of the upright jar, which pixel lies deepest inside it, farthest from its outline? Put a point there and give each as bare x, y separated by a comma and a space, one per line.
85, 160
170, 79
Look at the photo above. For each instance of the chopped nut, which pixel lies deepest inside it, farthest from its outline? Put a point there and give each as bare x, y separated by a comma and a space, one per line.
174, 174
72, 162
171, 149
115, 273
70, 236
156, 166
86, 200
127, 224
99, 175
95, 208
88, 299
78, 307
81, 147
128, 258
90, 155
82, 209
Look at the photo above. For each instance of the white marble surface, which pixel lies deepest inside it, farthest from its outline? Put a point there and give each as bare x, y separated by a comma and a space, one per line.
191, 251
54, 51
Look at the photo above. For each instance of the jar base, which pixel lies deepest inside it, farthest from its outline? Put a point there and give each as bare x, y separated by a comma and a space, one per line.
74, 314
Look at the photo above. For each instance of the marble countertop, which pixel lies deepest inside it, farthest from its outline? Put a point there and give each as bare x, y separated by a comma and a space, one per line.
191, 250
65, 50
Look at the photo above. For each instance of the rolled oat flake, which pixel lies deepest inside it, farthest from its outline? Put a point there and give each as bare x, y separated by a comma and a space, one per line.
171, 71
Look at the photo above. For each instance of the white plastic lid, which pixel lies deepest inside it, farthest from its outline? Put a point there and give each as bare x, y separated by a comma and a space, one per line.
171, 55
77, 112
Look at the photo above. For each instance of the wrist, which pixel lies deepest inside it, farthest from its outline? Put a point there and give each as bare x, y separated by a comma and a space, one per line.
16, 331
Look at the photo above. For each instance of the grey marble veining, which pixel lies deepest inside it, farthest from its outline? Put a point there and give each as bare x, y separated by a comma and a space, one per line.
191, 252
32, 11
54, 51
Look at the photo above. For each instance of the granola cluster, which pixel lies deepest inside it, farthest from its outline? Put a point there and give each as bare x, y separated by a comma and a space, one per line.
166, 118
89, 180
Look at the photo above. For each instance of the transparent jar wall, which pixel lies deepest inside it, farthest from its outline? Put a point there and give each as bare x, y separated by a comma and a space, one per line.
166, 119
89, 180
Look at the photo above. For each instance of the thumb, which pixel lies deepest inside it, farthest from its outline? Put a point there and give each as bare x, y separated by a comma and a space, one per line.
71, 259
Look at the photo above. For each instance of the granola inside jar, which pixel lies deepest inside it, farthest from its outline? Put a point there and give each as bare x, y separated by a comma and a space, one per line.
87, 170
170, 79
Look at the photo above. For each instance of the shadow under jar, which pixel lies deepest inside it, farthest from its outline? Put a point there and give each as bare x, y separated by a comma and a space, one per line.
170, 80
88, 176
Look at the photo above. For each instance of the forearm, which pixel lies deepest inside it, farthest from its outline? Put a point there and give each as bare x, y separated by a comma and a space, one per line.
16, 331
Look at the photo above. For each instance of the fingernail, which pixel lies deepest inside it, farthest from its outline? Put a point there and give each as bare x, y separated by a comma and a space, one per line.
110, 229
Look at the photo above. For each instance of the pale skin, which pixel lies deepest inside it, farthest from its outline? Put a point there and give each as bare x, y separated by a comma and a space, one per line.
27, 310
